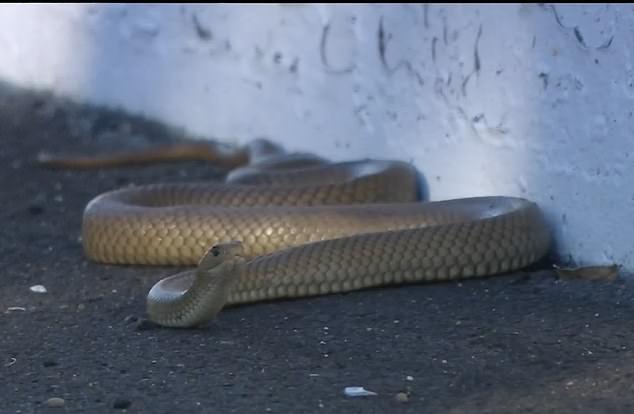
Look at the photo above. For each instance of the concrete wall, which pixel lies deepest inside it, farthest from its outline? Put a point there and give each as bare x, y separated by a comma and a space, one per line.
527, 100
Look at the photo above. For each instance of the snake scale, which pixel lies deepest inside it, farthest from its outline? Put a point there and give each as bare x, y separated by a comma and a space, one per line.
293, 225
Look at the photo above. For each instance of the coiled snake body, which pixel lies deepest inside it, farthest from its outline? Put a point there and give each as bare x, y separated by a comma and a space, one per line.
293, 225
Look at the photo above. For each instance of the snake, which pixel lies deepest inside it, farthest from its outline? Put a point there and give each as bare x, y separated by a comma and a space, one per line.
290, 225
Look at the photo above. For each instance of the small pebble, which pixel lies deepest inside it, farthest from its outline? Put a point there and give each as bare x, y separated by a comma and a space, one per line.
121, 404
38, 289
55, 402
402, 397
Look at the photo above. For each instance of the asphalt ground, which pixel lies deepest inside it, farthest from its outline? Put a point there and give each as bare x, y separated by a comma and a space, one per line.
527, 342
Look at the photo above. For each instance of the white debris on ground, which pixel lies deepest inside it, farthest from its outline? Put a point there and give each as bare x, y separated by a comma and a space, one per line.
357, 392
38, 289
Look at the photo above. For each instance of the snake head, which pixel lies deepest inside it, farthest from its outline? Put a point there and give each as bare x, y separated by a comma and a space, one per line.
225, 253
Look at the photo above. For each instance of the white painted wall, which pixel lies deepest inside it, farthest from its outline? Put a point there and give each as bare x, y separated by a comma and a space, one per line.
527, 100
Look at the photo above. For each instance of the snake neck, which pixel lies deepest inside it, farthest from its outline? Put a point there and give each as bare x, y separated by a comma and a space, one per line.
174, 304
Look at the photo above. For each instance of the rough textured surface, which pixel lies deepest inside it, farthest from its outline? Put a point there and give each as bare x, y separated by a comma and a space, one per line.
520, 343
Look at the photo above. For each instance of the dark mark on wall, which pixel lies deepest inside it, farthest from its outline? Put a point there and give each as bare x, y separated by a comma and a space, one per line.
434, 41
575, 29
444, 30
481, 119
412, 71
477, 118
534, 42
557, 18
202, 32
382, 45
476, 62
464, 84
578, 35
544, 77
323, 44
294, 66
476, 54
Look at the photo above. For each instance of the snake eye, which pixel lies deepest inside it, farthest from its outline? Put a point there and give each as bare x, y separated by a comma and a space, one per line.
215, 251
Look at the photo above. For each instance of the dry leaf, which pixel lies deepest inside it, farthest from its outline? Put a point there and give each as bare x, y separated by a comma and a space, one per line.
605, 273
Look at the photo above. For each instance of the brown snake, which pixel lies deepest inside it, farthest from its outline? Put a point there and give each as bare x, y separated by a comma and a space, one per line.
294, 225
